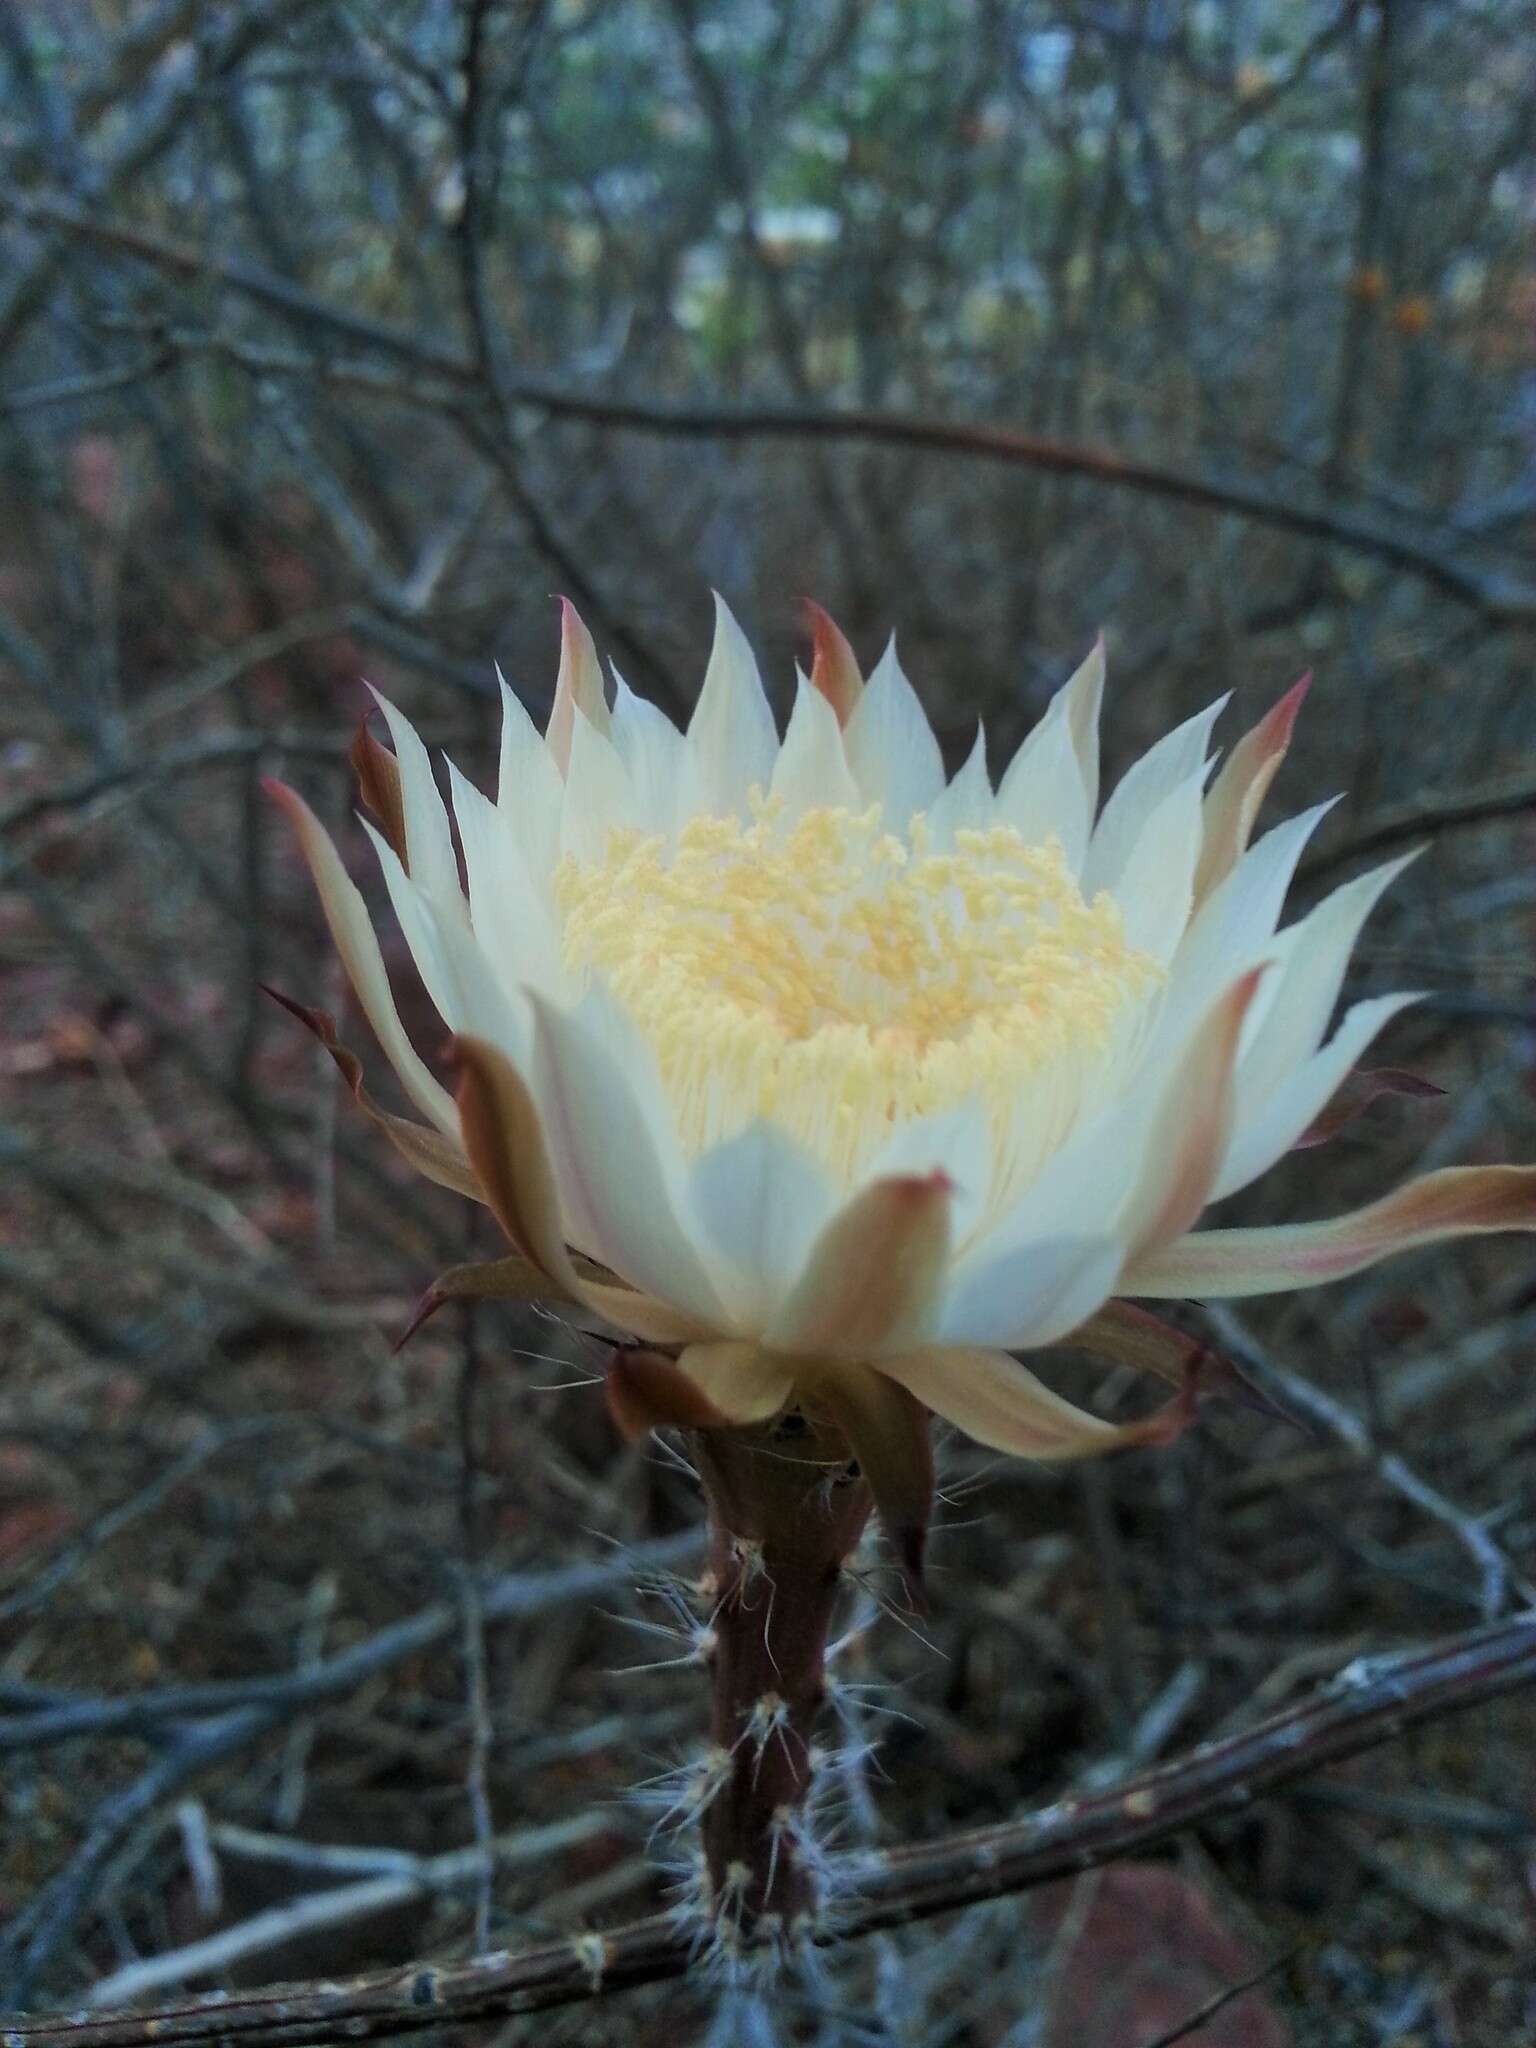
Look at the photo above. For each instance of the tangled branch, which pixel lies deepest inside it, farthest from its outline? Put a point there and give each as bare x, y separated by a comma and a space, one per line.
1374, 1700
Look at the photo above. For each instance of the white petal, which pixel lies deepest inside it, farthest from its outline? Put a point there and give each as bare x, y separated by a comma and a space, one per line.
731, 738
509, 913
1157, 889
529, 790
1043, 792
812, 769
420, 928
1177, 756
428, 842
620, 1173
1081, 698
1294, 1008
967, 804
352, 930
955, 1142
891, 748
597, 793
455, 971
652, 750
1030, 1295
758, 1202
1275, 1124
1233, 927
578, 686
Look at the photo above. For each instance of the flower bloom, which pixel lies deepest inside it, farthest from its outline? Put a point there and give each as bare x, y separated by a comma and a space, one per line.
830, 1081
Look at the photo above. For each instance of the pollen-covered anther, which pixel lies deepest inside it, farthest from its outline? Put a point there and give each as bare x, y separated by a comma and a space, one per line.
821, 971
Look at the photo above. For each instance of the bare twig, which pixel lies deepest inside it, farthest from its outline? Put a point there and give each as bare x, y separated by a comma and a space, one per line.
1372, 1701
1301, 1397
1495, 598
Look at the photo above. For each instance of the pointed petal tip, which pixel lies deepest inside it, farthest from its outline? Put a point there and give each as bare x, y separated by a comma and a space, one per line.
431, 1301
835, 670
1360, 1089
284, 795
1454, 1201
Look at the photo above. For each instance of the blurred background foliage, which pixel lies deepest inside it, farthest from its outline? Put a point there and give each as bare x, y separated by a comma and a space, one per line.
334, 338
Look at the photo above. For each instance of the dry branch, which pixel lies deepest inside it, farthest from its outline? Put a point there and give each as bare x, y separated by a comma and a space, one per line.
1372, 1701
1496, 599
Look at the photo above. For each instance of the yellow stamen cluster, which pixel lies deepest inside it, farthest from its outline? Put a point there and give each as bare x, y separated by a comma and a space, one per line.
837, 979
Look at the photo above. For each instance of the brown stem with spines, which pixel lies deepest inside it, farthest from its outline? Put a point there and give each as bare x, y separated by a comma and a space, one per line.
786, 1507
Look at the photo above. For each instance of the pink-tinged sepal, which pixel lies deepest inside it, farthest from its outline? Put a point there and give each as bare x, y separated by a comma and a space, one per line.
490, 1280
578, 686
873, 1275
427, 1150
504, 1142
378, 782
999, 1402
1232, 807
834, 667
1459, 1201
347, 916
1128, 1335
1363, 1087
647, 1390
1193, 1127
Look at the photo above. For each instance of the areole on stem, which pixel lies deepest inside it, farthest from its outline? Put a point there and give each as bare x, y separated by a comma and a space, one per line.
787, 1504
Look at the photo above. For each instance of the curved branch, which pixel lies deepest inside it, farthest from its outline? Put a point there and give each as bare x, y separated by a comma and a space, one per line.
1494, 598
1374, 1700
1400, 827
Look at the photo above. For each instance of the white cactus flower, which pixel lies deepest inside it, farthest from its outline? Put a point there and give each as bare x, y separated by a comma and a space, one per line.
845, 1083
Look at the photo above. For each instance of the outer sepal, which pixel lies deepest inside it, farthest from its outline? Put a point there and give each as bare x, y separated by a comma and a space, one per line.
1361, 1088
578, 686
1459, 1201
888, 1431
647, 1390
378, 782
1232, 807
1127, 1335
427, 1150
873, 1274
511, 1279
993, 1398
834, 667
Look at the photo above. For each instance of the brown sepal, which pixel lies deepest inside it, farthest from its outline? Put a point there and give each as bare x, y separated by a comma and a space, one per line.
646, 1390
426, 1149
1360, 1089
889, 1432
1128, 1335
378, 782
510, 1279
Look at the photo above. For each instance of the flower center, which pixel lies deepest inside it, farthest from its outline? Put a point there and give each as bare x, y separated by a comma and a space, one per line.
837, 979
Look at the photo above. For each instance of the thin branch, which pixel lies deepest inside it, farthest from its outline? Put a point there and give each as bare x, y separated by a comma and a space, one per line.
1300, 1397
1374, 1700
511, 1596
1497, 599
1401, 826
232, 1718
